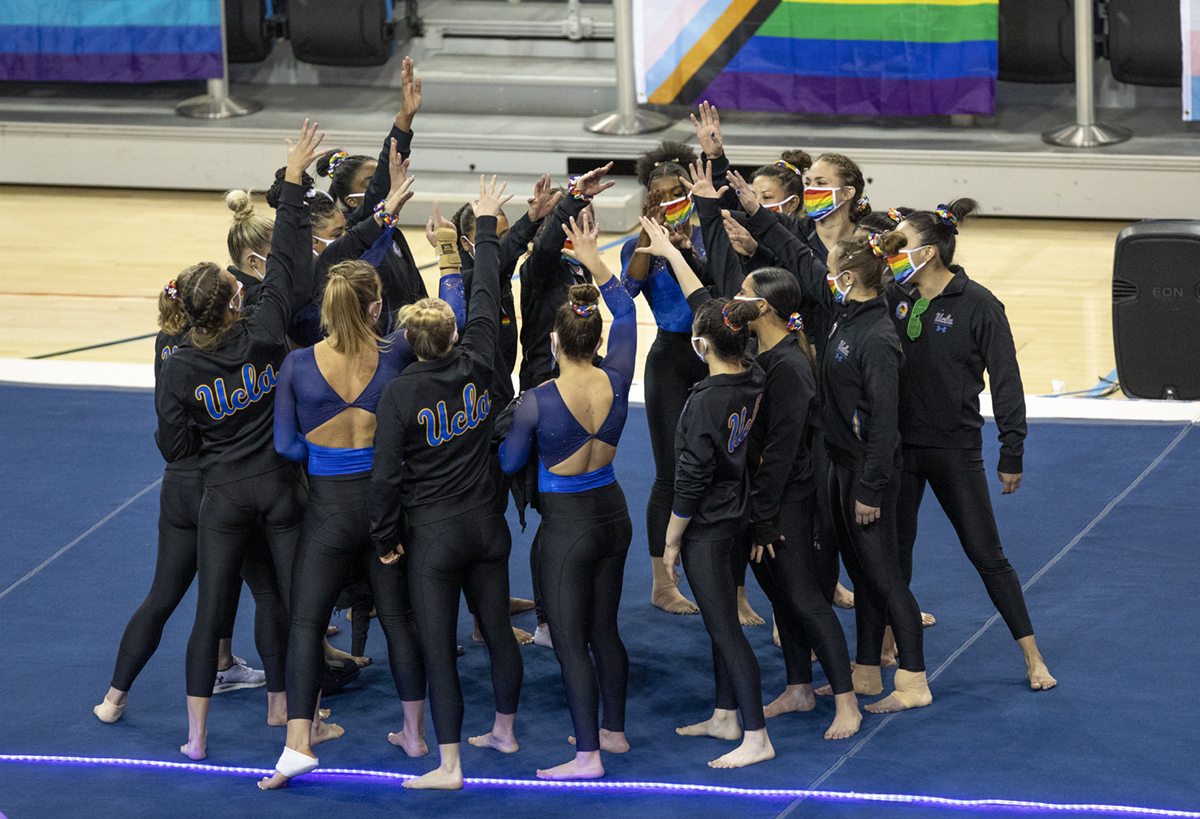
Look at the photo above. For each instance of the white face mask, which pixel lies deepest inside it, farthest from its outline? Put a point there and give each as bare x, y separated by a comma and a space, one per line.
778, 206
470, 252
264, 261
699, 346
554, 347
352, 198
840, 295
237, 297
375, 308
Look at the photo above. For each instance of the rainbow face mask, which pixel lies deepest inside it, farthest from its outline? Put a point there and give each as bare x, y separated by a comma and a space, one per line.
820, 202
778, 206
902, 266
839, 295
677, 212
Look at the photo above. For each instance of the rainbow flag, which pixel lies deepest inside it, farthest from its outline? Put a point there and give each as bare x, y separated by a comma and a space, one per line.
110, 40
819, 56
1191, 59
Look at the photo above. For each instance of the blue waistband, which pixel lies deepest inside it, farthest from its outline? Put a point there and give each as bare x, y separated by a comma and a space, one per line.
324, 460
549, 482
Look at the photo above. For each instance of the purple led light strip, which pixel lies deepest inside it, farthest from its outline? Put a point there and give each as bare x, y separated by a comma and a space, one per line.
839, 796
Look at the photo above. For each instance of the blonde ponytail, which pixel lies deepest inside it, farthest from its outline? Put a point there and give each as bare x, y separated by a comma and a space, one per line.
346, 321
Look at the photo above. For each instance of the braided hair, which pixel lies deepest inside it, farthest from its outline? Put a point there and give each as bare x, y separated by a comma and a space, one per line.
205, 295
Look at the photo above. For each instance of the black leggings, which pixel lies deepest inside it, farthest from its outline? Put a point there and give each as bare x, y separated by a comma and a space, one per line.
872, 556
825, 546
585, 537
229, 515
465, 553
806, 619
959, 483
335, 540
709, 568
671, 370
174, 570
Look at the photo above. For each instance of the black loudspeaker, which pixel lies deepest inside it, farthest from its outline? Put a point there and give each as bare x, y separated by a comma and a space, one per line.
1144, 42
341, 32
246, 30
1037, 41
1156, 309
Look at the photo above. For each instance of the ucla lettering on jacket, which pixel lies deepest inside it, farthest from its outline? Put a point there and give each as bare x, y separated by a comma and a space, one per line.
739, 427
254, 386
439, 428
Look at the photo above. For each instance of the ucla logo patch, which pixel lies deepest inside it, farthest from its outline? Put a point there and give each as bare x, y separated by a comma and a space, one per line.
943, 321
440, 428
843, 350
739, 427
901, 311
221, 403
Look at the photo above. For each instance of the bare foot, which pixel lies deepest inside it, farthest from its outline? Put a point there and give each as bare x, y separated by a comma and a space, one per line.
912, 691
589, 767
747, 615
756, 747
273, 782
612, 741
441, 779
196, 749
502, 744
793, 698
335, 656
332, 631
847, 718
843, 598
323, 732
413, 746
1039, 676
524, 638
672, 602
516, 605
775, 629
867, 680
722, 725
928, 620
324, 713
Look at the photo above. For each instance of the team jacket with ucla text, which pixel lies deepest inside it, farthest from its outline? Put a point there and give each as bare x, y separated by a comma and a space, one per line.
433, 439
860, 384
220, 403
711, 481
963, 330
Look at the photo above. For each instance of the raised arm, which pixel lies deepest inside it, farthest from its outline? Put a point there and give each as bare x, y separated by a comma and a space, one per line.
289, 440
660, 245
724, 264
401, 134
543, 202
483, 322
544, 259
712, 142
443, 237
621, 353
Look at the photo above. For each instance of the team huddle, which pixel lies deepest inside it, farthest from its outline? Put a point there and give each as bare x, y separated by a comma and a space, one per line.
329, 426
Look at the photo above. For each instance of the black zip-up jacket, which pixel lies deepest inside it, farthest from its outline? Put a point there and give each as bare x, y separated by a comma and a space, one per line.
513, 246
164, 347
433, 439
221, 402
964, 330
781, 462
860, 385
711, 481
546, 278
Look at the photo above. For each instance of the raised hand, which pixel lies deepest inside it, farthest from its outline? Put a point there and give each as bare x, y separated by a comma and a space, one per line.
397, 167
660, 239
653, 207
410, 95
708, 130
582, 234
544, 199
702, 182
739, 237
303, 152
491, 199
398, 196
745, 193
591, 182
436, 221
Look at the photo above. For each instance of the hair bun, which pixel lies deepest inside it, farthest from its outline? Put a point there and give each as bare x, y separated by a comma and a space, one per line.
239, 202
583, 295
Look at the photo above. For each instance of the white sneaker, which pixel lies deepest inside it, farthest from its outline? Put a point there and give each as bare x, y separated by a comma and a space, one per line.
239, 675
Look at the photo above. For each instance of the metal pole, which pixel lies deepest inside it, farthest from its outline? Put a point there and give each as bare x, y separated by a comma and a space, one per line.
217, 104
1085, 132
628, 118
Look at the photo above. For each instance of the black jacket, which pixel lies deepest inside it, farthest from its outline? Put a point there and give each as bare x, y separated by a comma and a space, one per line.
220, 403
963, 331
711, 481
433, 439
781, 462
860, 385
546, 277
513, 246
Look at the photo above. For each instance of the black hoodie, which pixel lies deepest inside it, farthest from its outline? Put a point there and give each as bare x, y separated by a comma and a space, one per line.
963, 330
860, 385
711, 481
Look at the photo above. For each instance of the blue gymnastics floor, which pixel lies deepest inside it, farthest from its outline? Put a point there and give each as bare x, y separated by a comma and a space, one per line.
1104, 530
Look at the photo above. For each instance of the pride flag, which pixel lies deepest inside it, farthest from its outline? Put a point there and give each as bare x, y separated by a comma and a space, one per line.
1191, 59
820, 56
110, 40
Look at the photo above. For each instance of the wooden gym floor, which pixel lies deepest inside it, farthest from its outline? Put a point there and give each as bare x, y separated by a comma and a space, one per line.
82, 267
